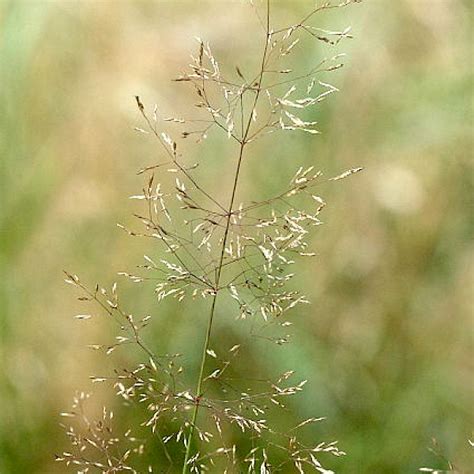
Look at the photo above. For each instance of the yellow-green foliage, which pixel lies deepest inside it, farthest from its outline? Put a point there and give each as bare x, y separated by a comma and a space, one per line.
385, 342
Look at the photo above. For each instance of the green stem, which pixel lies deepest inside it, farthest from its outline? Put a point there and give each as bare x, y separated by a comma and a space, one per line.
221, 259
211, 314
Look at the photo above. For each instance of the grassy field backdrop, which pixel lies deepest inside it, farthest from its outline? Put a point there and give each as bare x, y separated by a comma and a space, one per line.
387, 341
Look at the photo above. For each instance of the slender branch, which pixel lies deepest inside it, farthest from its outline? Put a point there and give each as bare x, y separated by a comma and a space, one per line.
173, 157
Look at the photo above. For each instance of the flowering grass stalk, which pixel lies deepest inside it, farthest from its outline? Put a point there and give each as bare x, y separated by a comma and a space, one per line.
235, 251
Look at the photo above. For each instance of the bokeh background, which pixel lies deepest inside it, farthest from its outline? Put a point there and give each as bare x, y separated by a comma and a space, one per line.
387, 341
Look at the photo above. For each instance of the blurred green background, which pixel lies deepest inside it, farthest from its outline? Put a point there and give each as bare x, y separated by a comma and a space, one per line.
387, 342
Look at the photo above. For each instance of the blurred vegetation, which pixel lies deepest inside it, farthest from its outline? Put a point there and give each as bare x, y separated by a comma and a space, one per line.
387, 342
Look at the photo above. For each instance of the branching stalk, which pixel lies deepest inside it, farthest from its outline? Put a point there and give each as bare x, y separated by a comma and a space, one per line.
207, 340
246, 250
